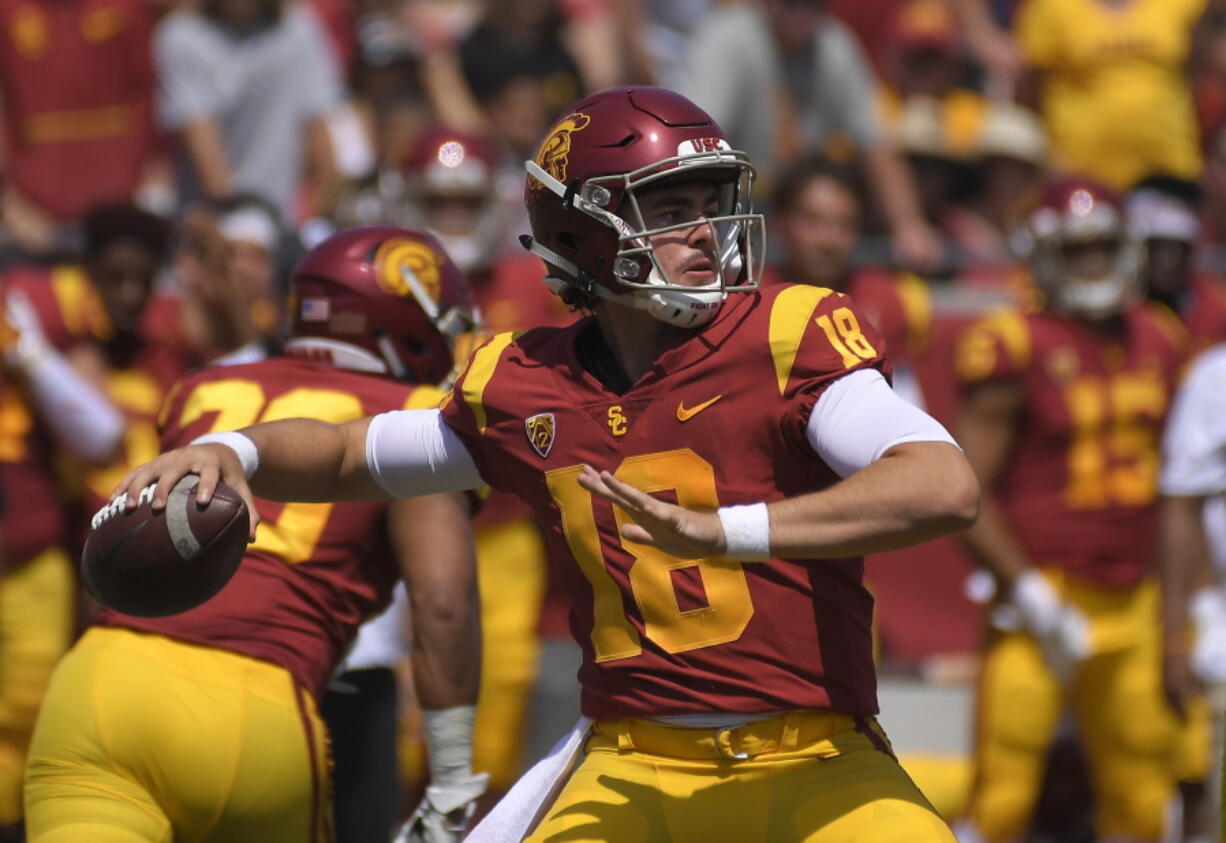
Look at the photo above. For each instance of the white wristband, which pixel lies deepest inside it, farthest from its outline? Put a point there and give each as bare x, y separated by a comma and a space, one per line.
449, 742
239, 443
747, 531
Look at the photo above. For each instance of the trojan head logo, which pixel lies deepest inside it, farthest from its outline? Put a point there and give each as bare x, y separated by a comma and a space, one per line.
553, 152
401, 264
541, 429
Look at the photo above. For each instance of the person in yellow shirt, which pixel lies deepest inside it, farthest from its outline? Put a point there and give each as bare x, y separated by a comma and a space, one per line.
1113, 86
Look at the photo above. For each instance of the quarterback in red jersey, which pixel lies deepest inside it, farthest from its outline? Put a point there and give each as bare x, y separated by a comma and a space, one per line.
750, 452
202, 726
1062, 417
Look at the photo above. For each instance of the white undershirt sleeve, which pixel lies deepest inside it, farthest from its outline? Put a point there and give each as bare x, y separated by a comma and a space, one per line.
858, 418
413, 452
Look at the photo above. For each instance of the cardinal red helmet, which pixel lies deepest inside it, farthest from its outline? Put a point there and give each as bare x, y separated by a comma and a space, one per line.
380, 299
451, 180
586, 222
1083, 258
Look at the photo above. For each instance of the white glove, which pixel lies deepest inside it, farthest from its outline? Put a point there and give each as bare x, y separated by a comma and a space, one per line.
1062, 630
445, 811
1208, 610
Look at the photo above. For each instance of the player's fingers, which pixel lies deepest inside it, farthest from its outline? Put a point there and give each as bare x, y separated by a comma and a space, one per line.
635, 533
209, 475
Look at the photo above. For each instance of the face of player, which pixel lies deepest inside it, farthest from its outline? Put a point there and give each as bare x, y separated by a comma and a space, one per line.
1093, 260
820, 230
124, 272
688, 255
1168, 267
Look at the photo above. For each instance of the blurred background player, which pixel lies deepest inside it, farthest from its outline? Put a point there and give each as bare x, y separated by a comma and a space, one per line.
818, 215
213, 734
1164, 215
1062, 414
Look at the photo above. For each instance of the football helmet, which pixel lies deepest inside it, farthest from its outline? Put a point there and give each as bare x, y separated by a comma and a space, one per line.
451, 181
380, 299
1081, 253
581, 196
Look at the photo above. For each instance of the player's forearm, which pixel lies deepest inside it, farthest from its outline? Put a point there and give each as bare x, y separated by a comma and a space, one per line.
1182, 559
207, 151
914, 493
309, 460
446, 651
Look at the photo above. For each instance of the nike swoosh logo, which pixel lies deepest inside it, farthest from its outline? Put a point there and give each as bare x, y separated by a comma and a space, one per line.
685, 413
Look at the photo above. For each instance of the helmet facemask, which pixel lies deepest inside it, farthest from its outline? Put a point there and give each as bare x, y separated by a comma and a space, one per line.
613, 200
1088, 268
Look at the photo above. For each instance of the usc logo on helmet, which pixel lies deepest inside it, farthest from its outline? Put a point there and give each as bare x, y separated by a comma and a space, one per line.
553, 152
401, 261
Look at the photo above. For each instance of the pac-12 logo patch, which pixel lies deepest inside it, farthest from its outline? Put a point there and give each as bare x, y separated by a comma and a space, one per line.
541, 429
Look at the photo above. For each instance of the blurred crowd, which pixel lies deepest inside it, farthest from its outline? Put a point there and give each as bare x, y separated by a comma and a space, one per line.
165, 163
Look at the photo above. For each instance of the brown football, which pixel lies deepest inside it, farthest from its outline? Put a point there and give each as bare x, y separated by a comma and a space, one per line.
153, 564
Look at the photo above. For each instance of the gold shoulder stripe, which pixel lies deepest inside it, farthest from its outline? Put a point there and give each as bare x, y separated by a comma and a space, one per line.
790, 315
480, 370
1014, 334
424, 398
916, 301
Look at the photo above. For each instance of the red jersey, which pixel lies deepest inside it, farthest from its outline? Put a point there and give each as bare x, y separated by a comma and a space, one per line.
78, 83
719, 419
898, 304
1080, 484
316, 571
31, 514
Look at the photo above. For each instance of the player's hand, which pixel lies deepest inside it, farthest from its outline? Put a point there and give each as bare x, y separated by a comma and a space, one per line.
212, 462
678, 531
1063, 632
1208, 658
917, 246
444, 812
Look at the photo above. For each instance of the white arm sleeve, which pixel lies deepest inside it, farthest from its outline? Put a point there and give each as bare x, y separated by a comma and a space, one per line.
1194, 443
413, 452
858, 418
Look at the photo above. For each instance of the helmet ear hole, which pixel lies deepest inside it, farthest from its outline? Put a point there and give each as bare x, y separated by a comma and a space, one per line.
570, 240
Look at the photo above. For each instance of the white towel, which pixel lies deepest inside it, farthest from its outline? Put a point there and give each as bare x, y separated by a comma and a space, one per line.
512, 818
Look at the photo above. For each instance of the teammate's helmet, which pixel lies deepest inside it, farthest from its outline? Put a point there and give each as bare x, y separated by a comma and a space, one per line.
586, 222
390, 292
1082, 257
451, 180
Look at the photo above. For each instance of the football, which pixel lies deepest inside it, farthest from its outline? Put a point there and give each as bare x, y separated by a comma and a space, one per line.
153, 564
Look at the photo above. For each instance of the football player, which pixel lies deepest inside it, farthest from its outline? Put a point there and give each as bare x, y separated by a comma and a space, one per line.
1062, 413
818, 212
203, 725
708, 462
452, 189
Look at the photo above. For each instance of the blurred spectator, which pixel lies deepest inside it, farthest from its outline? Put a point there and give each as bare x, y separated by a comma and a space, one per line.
1113, 85
781, 77
247, 84
992, 44
78, 87
1164, 214
1011, 152
925, 57
667, 26
1213, 194
227, 267
818, 216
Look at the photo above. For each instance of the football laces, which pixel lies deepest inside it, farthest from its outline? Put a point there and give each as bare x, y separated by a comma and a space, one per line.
116, 506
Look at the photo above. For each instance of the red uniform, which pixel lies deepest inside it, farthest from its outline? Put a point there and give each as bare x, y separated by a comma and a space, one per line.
1081, 480
78, 83
719, 419
315, 571
1205, 313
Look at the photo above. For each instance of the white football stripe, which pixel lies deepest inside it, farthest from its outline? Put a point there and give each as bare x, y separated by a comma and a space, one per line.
181, 535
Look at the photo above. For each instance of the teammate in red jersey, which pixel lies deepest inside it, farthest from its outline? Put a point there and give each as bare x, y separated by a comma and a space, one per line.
202, 726
749, 452
1063, 413
1164, 214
